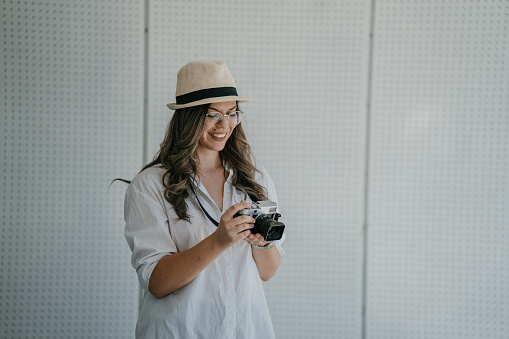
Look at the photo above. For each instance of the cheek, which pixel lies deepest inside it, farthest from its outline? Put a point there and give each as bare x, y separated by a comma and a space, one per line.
201, 140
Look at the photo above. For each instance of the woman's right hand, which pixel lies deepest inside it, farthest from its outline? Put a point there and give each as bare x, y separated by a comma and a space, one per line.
176, 270
230, 229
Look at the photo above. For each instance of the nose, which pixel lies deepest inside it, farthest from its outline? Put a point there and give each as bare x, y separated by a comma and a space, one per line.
224, 121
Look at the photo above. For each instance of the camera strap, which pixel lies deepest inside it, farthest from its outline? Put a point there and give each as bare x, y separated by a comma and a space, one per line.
203, 209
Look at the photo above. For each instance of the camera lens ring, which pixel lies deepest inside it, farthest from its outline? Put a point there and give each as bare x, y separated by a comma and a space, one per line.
270, 229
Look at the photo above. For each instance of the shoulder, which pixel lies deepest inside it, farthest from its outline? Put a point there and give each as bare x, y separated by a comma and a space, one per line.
149, 181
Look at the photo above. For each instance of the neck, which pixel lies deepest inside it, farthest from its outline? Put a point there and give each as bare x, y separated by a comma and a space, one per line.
208, 160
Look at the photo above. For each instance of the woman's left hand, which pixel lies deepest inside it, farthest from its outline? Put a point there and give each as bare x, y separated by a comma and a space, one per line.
256, 240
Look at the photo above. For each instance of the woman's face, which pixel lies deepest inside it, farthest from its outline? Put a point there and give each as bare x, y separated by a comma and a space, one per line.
214, 138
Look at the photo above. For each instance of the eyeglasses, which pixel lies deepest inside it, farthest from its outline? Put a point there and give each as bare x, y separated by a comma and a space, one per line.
214, 118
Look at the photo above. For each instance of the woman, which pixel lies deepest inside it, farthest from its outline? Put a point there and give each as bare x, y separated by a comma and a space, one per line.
199, 280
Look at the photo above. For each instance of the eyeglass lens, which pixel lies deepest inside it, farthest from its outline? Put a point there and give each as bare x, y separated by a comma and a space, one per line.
214, 118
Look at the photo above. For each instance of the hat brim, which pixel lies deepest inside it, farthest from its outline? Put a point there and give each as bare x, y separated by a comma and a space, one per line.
207, 101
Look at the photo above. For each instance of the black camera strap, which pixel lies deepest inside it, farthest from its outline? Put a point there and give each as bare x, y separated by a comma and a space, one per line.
203, 209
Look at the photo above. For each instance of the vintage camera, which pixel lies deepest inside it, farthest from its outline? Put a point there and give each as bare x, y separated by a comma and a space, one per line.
266, 219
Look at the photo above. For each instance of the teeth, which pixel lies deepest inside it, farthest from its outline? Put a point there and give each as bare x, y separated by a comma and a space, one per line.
219, 136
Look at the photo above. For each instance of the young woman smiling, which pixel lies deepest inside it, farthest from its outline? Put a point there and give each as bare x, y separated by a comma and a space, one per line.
199, 280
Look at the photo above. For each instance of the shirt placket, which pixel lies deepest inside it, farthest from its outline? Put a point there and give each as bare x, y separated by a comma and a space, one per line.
230, 303
229, 198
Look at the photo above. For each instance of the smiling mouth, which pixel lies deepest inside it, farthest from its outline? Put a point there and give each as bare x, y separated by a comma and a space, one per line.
218, 135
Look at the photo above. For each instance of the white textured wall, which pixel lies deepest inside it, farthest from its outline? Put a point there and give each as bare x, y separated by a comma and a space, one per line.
71, 101
432, 122
438, 252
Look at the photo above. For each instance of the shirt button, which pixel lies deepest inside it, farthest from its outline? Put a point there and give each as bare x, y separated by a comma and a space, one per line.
233, 323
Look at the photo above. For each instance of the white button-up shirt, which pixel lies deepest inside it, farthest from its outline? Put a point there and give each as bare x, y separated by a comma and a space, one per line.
226, 300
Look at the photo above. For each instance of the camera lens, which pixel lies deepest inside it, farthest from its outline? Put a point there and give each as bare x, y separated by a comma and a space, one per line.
272, 232
269, 228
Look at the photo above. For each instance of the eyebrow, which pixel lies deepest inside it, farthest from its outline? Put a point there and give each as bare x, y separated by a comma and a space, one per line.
219, 111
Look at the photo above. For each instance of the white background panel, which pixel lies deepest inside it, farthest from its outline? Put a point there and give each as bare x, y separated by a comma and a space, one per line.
305, 66
439, 164
71, 99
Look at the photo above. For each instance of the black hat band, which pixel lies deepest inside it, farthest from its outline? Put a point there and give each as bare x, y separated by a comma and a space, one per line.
205, 94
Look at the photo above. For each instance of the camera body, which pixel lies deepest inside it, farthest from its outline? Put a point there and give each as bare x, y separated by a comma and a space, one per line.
266, 218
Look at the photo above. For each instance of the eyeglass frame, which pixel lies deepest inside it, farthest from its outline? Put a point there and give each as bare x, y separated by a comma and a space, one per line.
223, 116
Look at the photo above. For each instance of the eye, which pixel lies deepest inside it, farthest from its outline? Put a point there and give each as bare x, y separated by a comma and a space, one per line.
212, 115
232, 115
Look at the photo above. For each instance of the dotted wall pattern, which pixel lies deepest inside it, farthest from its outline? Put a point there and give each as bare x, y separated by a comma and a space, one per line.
305, 66
71, 100
439, 163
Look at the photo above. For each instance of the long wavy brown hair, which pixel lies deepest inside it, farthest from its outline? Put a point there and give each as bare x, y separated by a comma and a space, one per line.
177, 155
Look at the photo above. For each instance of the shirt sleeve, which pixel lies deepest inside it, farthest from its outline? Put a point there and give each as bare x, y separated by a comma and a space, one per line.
146, 232
266, 181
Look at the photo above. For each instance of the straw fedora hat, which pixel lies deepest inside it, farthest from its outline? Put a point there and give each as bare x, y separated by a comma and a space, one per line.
204, 82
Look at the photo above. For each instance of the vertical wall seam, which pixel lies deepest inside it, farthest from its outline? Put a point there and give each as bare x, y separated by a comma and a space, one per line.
145, 82
145, 102
366, 171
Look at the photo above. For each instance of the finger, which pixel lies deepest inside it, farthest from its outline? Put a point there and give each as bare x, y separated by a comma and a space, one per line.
246, 227
260, 240
253, 240
249, 241
243, 219
260, 237
244, 234
230, 212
